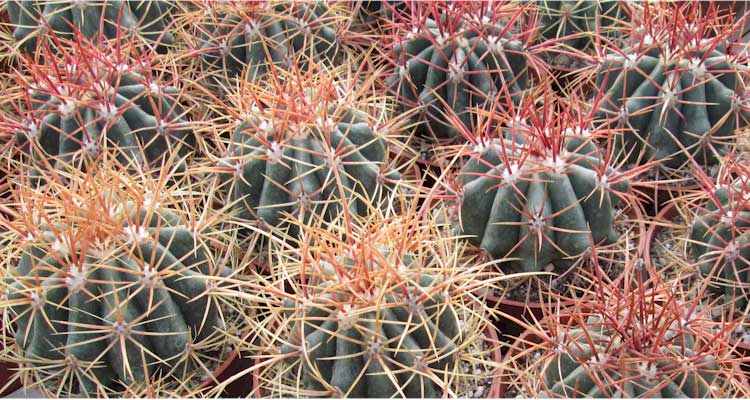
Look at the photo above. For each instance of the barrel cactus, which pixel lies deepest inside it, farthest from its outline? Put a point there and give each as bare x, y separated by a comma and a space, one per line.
587, 366
535, 194
673, 92
402, 333
33, 20
583, 18
89, 101
249, 37
452, 58
625, 341
111, 289
378, 308
302, 150
720, 240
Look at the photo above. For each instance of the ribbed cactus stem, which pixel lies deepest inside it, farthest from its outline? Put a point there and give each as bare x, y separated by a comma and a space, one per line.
36, 22
538, 208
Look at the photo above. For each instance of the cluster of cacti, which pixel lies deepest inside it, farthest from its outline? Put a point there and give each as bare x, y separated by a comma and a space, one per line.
37, 24
541, 194
302, 198
674, 94
452, 58
109, 287
87, 101
246, 39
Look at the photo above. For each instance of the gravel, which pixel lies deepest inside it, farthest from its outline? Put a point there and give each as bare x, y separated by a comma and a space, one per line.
478, 386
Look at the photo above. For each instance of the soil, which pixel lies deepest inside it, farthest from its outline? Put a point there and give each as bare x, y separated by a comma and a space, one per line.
567, 61
561, 284
478, 384
741, 335
682, 176
666, 243
237, 325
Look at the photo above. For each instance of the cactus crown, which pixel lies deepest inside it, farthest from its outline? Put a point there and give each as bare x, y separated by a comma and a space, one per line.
242, 38
633, 339
90, 100
538, 187
377, 309
311, 144
112, 286
457, 56
677, 92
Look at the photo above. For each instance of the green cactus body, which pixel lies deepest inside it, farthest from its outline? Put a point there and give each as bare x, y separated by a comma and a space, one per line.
511, 202
445, 72
353, 351
307, 170
372, 10
586, 357
31, 19
569, 17
691, 100
122, 310
720, 244
283, 34
77, 112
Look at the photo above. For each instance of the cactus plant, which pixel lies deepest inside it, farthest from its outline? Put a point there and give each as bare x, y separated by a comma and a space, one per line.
302, 146
631, 339
568, 375
34, 21
90, 100
578, 21
674, 92
110, 287
248, 37
426, 331
719, 238
456, 57
535, 193
381, 308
